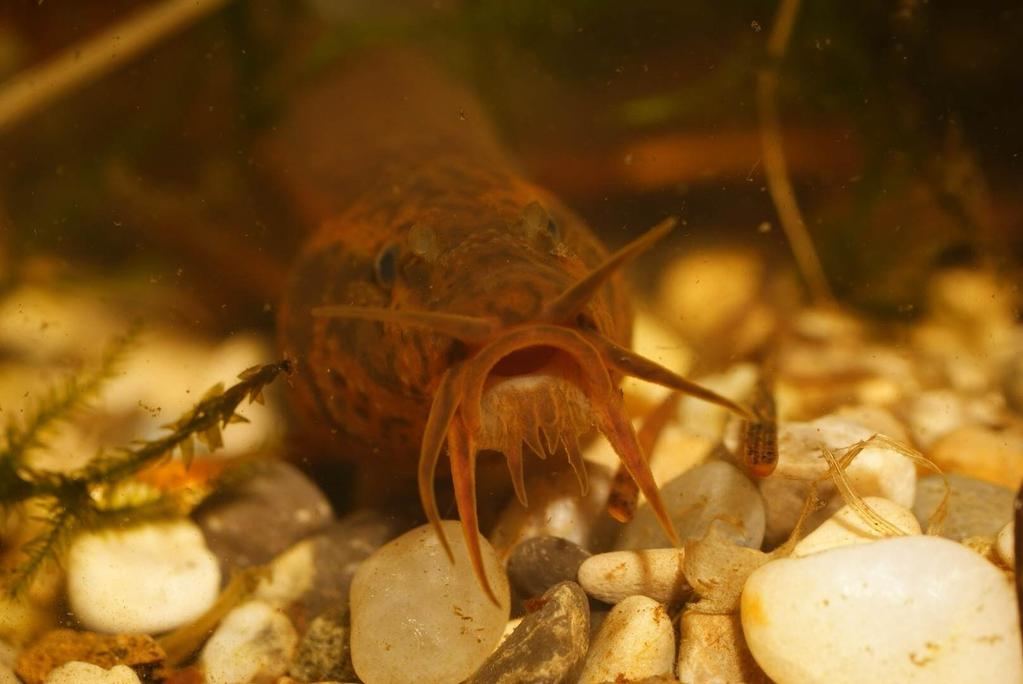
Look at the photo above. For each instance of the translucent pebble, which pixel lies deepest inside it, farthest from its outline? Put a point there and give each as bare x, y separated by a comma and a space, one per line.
418, 617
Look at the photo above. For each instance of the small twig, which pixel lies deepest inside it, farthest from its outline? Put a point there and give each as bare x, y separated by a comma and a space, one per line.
83, 63
775, 167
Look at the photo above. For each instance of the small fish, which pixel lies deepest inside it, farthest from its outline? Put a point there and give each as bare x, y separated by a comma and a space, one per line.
444, 300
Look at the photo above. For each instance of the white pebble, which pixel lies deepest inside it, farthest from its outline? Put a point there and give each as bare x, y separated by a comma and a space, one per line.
878, 470
1005, 544
636, 640
911, 609
847, 527
254, 642
76, 672
145, 579
654, 573
442, 634
290, 576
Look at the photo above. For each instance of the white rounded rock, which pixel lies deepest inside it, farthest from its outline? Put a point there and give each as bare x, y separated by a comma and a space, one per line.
76, 672
847, 527
911, 609
416, 616
635, 641
654, 573
146, 579
1005, 544
255, 642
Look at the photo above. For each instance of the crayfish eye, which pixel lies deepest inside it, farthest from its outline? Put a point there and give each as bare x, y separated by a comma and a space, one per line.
537, 223
385, 266
553, 228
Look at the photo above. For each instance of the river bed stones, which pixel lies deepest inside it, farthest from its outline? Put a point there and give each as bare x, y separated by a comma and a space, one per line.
713, 649
254, 642
637, 640
975, 508
1005, 545
450, 628
145, 579
879, 469
76, 672
138, 652
271, 509
323, 651
714, 493
539, 563
847, 527
906, 609
547, 647
654, 573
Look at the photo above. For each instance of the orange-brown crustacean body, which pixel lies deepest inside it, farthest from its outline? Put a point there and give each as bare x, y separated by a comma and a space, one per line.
444, 300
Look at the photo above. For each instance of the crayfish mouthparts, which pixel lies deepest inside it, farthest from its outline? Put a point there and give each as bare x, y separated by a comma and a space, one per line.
548, 377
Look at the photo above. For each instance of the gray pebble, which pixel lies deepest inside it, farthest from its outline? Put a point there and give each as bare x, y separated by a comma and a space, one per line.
537, 564
323, 652
255, 519
975, 508
713, 491
548, 647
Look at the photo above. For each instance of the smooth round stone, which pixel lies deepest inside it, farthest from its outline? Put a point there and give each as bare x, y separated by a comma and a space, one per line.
636, 640
1005, 545
911, 609
975, 508
713, 649
876, 471
254, 642
538, 564
934, 414
77, 672
713, 492
654, 573
146, 579
847, 527
984, 453
547, 646
441, 632
263, 515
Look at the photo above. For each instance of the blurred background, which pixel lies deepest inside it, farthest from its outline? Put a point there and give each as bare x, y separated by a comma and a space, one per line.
900, 119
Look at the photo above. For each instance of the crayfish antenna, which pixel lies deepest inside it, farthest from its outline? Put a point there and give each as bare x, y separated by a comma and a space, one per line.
571, 301
632, 364
465, 328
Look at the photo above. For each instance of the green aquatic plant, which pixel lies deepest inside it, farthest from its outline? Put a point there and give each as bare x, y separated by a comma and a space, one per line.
104, 492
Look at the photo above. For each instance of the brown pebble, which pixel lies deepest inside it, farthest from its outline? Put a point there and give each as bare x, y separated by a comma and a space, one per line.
138, 651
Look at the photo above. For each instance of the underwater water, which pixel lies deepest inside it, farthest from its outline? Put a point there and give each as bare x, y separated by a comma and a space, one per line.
568, 342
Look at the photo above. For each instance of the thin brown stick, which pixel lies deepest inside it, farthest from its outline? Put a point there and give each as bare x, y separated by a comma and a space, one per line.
775, 167
36, 87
